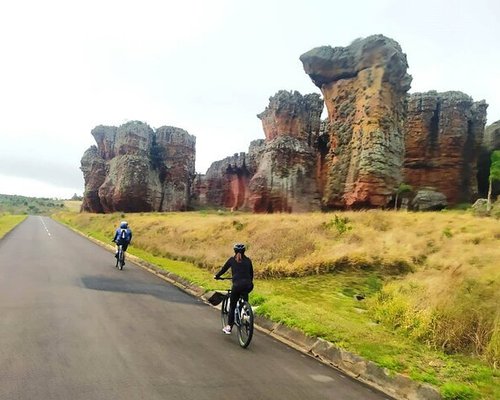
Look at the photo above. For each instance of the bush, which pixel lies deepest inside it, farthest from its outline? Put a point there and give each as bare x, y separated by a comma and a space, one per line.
341, 224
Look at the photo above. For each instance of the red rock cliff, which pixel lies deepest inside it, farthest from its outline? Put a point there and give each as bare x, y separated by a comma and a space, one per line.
364, 86
226, 182
444, 132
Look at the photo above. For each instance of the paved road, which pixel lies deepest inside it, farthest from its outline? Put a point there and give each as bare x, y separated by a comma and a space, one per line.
73, 327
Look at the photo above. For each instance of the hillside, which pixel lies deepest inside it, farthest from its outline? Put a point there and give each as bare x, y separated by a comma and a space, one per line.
22, 205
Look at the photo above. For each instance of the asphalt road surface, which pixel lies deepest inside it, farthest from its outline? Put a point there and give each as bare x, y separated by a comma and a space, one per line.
74, 327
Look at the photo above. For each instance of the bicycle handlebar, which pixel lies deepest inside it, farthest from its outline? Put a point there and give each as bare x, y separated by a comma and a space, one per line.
220, 278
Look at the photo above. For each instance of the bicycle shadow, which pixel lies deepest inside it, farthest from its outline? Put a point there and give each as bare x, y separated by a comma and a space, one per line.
164, 292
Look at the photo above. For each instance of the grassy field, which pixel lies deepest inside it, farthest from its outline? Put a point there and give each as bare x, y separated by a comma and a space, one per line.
8, 222
22, 205
73, 205
429, 281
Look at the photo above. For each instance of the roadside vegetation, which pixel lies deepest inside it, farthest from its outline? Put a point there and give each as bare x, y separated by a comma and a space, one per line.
22, 205
417, 293
8, 222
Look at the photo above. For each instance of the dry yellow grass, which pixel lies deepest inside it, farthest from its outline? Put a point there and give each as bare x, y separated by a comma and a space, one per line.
73, 205
282, 245
441, 269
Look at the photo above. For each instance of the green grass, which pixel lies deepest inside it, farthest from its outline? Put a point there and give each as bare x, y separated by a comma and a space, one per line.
8, 222
324, 304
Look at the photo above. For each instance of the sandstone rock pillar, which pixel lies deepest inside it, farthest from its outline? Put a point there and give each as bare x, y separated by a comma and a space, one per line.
364, 87
285, 176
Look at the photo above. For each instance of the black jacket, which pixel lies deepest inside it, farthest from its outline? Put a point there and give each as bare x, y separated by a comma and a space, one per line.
241, 271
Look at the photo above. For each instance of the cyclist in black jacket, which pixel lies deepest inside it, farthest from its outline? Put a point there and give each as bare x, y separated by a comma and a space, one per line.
242, 278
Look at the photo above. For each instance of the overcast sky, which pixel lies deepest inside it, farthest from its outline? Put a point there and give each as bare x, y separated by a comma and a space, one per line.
205, 66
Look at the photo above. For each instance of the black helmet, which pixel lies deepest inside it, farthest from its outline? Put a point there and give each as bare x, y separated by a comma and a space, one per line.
239, 248
124, 224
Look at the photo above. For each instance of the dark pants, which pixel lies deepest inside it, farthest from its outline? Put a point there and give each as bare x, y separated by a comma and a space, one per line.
124, 246
239, 289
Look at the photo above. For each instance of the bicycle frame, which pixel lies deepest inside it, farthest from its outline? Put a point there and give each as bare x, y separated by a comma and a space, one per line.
243, 318
120, 259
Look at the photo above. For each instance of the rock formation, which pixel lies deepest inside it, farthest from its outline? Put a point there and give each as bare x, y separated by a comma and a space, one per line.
364, 86
285, 176
428, 199
491, 142
444, 132
491, 139
278, 173
225, 183
134, 168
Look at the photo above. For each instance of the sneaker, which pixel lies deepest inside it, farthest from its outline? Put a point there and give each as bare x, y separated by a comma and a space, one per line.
227, 329
116, 255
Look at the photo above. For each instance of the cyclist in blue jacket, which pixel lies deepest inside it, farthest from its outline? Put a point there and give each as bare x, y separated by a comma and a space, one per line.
123, 236
242, 278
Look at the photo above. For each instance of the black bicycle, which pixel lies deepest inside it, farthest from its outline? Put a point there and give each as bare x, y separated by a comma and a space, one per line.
120, 258
243, 317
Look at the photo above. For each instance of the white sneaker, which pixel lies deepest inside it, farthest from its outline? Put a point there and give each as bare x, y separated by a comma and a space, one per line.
227, 329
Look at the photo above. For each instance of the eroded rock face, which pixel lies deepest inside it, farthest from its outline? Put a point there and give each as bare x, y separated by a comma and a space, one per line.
134, 169
285, 177
94, 175
291, 114
491, 142
177, 169
364, 87
491, 139
278, 173
226, 182
444, 132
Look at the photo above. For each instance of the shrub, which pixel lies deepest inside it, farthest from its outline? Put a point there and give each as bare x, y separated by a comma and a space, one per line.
341, 224
447, 233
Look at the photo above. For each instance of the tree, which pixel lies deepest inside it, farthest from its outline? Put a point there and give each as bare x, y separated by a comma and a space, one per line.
494, 175
401, 189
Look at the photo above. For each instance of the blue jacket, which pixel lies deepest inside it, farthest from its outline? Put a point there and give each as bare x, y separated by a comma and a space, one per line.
123, 239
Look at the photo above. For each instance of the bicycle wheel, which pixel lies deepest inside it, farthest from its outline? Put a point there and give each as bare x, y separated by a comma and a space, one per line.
121, 258
117, 256
224, 311
245, 327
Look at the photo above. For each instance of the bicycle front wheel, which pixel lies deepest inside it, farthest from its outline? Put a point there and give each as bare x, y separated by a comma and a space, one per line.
224, 312
245, 327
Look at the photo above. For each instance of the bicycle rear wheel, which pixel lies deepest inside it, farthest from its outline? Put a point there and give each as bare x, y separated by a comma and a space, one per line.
121, 257
245, 327
224, 311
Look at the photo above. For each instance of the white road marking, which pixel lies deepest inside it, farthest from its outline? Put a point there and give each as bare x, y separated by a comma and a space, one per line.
321, 378
45, 226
